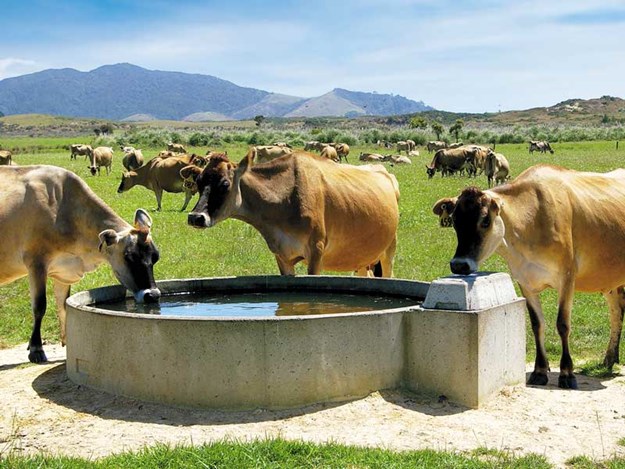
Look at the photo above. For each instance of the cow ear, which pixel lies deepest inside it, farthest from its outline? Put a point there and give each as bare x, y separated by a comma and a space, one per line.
107, 237
444, 205
143, 221
495, 206
247, 162
190, 172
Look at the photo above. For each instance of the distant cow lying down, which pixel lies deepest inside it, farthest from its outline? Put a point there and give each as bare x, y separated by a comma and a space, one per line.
332, 217
59, 229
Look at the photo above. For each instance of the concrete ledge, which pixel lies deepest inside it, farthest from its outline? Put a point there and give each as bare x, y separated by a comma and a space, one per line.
470, 292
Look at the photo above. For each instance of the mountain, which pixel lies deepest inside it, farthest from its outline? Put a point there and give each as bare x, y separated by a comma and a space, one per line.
128, 92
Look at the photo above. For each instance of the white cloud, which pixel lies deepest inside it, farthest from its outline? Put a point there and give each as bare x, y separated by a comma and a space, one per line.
11, 67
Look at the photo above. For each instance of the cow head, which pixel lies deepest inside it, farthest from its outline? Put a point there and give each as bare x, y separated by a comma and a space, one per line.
128, 180
430, 170
218, 185
132, 255
475, 215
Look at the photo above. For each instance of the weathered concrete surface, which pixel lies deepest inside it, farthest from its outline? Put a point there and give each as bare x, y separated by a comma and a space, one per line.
228, 363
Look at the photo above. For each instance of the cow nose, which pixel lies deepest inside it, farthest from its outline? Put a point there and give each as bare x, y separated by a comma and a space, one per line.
198, 220
152, 296
461, 266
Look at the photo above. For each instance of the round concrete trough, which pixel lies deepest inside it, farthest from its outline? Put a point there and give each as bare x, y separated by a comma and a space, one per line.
240, 363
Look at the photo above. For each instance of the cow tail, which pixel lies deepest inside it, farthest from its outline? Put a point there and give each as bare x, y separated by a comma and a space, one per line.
377, 269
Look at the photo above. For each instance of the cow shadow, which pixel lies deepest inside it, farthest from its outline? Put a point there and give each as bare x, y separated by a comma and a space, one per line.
55, 386
12, 366
585, 383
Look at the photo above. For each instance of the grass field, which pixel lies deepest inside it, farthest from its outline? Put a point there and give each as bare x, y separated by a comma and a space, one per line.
234, 248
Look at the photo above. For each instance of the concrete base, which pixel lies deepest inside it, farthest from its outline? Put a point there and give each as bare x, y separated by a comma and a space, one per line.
227, 363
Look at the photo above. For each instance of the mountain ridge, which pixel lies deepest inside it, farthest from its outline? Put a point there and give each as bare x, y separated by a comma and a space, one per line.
124, 91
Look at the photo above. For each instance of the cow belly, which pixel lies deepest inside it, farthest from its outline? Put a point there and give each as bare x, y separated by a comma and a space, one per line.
354, 252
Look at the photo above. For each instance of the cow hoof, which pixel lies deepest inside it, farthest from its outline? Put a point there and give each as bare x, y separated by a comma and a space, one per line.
538, 379
567, 382
37, 356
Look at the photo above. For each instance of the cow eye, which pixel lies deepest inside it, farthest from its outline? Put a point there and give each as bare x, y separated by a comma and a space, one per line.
485, 222
225, 184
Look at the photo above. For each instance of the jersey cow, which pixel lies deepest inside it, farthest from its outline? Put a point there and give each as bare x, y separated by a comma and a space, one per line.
133, 159
332, 217
101, 156
556, 228
60, 229
80, 149
158, 175
6, 158
540, 146
496, 167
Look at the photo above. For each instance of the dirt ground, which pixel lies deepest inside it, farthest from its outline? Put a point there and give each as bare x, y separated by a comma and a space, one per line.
42, 411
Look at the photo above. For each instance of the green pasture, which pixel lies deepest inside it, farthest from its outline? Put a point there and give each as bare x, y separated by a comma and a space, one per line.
234, 248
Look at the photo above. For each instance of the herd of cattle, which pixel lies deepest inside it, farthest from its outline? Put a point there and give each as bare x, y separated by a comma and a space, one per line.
547, 223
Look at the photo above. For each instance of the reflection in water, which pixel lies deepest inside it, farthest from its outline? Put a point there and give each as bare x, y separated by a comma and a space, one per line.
261, 304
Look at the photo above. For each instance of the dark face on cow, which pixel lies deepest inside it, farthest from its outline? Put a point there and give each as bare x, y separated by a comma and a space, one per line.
479, 228
215, 184
430, 171
132, 255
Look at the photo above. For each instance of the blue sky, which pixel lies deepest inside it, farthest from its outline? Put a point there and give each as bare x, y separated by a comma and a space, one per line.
462, 55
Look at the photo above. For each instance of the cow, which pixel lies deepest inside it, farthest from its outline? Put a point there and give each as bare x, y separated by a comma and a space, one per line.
330, 153
384, 144
398, 159
270, 152
448, 162
158, 175
370, 157
342, 150
60, 229
540, 146
176, 147
455, 145
555, 228
435, 145
126, 149
80, 149
166, 154
476, 157
282, 144
6, 158
332, 217
413, 153
101, 156
133, 159
406, 146
311, 145
496, 167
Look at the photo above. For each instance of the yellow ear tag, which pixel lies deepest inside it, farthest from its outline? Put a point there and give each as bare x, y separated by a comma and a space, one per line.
445, 219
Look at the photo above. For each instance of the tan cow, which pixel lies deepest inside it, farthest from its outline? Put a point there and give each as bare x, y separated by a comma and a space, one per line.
496, 168
435, 145
404, 146
158, 175
101, 156
371, 157
330, 153
80, 149
176, 147
342, 150
6, 158
556, 228
60, 229
476, 158
270, 152
133, 159
332, 217
398, 159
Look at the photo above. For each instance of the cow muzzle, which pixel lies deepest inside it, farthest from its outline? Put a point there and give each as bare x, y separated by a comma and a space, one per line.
198, 220
149, 295
463, 265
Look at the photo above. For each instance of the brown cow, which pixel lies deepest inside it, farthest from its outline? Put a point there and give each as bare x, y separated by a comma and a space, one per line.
448, 162
270, 152
330, 153
158, 175
496, 168
304, 207
101, 156
556, 228
176, 147
373, 157
342, 150
133, 159
6, 158
60, 229
540, 146
80, 149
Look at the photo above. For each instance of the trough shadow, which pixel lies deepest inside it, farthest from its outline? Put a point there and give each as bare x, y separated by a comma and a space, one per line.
584, 383
55, 386
428, 404
12, 366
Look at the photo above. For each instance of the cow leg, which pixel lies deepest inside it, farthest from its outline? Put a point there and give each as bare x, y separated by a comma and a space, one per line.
37, 285
386, 260
537, 319
159, 195
566, 379
316, 247
187, 198
61, 292
616, 303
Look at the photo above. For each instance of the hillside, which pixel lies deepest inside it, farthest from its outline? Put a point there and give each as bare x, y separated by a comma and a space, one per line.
129, 92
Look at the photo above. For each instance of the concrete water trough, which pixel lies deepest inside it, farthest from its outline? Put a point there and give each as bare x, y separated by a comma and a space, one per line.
465, 341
